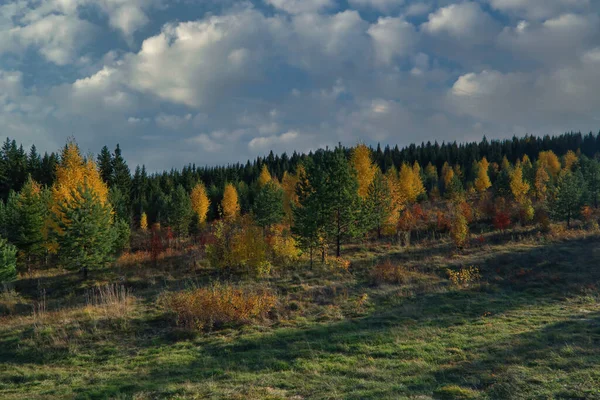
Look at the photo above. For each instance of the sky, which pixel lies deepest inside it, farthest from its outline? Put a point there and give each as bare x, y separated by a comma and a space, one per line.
220, 81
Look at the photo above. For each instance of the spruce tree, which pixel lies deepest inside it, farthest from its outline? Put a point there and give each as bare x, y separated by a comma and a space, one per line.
8, 261
268, 205
378, 207
308, 223
569, 196
31, 212
180, 211
339, 195
105, 165
121, 173
85, 235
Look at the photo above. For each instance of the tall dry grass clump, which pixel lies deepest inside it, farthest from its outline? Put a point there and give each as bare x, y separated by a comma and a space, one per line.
218, 305
111, 301
388, 272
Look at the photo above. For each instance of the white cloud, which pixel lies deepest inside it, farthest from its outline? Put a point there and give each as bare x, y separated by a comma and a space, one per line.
268, 142
466, 22
393, 37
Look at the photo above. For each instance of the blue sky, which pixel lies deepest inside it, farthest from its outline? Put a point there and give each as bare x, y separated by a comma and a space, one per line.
220, 81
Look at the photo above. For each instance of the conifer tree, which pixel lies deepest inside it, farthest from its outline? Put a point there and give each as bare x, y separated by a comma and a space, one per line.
121, 178
105, 165
180, 211
591, 173
200, 202
144, 222
308, 213
549, 161
569, 196
364, 167
518, 186
31, 212
431, 177
230, 206
268, 205
482, 181
339, 195
8, 261
85, 235
265, 176
379, 203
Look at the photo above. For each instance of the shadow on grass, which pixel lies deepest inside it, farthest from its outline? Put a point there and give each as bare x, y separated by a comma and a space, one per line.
331, 360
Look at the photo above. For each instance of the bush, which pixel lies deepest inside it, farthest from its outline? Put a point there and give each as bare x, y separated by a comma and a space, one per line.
464, 277
387, 272
218, 305
8, 261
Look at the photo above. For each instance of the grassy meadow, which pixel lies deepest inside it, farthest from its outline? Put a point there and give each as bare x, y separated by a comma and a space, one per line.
527, 328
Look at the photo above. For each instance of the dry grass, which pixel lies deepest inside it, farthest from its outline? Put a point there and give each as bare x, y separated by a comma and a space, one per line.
388, 272
207, 308
112, 301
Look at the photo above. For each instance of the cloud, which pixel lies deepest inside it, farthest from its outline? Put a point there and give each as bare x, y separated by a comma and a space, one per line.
393, 37
539, 9
301, 6
381, 5
466, 22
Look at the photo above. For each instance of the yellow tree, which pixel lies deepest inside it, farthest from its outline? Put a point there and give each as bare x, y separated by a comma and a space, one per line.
364, 167
200, 202
569, 160
518, 186
541, 182
290, 196
265, 176
549, 161
144, 222
398, 200
230, 205
482, 182
410, 183
447, 175
74, 172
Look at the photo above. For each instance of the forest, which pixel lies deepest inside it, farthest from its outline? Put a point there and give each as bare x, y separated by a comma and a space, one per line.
289, 249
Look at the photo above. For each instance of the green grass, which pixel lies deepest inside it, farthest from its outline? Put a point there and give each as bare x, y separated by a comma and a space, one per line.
530, 330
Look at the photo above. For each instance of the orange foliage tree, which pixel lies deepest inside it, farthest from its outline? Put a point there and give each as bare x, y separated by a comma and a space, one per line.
230, 205
364, 167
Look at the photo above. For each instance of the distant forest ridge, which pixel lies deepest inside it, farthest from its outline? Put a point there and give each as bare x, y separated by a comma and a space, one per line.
16, 162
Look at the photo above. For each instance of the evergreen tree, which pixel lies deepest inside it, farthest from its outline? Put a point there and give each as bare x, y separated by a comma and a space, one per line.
180, 211
568, 196
268, 205
119, 203
121, 173
379, 203
31, 212
85, 234
105, 165
121, 235
8, 261
308, 213
339, 195
591, 173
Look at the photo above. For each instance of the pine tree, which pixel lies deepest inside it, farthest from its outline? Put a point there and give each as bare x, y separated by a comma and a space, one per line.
364, 167
122, 178
308, 213
268, 205
591, 173
85, 236
379, 203
121, 236
339, 195
230, 206
105, 165
200, 202
31, 212
180, 211
569, 196
8, 261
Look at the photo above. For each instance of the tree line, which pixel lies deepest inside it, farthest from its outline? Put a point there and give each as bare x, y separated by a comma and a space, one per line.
78, 211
